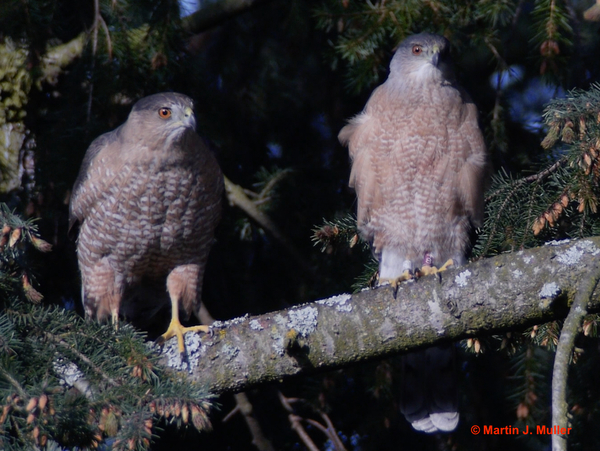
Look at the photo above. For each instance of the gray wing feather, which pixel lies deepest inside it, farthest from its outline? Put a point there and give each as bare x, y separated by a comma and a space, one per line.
79, 203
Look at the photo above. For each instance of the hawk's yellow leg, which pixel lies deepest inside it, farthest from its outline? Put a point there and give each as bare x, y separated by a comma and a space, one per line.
114, 319
176, 329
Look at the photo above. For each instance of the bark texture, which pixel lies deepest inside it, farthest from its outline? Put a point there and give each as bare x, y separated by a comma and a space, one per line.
507, 292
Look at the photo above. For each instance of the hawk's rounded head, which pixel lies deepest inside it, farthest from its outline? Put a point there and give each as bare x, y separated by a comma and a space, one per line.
423, 55
166, 112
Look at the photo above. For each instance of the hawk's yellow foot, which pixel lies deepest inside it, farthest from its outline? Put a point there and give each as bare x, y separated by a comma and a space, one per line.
427, 270
176, 329
396, 281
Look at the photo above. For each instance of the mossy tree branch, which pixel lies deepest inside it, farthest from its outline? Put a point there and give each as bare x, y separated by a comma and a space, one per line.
564, 352
507, 292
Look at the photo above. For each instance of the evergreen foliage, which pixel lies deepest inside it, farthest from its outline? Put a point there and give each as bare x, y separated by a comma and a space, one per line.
337, 232
16, 238
72, 382
561, 199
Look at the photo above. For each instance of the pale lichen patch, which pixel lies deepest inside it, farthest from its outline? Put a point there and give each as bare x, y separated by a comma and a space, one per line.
528, 259
71, 375
387, 331
279, 320
461, 279
68, 372
230, 322
193, 348
229, 352
303, 320
255, 325
278, 347
589, 247
340, 302
278, 344
557, 242
573, 255
517, 273
437, 315
549, 290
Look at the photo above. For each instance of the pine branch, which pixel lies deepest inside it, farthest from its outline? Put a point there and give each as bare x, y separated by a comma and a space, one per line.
553, 29
70, 349
338, 232
238, 197
16, 238
506, 292
296, 424
13, 382
564, 351
528, 383
115, 390
529, 179
243, 405
563, 198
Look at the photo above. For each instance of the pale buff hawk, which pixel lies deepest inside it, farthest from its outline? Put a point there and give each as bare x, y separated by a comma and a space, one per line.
418, 168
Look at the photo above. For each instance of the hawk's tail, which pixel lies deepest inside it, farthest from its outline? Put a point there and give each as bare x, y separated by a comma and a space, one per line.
429, 391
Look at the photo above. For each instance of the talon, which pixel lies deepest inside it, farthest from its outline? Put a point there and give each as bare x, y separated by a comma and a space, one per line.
395, 283
450, 262
176, 329
427, 270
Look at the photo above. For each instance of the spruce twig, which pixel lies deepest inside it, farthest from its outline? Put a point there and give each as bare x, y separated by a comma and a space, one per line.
82, 357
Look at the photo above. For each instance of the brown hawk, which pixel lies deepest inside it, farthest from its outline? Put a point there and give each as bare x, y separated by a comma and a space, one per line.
418, 167
147, 200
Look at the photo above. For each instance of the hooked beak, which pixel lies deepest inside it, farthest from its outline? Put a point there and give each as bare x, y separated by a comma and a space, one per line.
189, 119
435, 58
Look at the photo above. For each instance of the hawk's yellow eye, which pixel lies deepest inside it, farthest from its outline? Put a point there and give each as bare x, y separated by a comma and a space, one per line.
417, 49
164, 113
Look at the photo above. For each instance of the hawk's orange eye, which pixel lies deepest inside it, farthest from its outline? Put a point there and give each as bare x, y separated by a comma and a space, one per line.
417, 49
164, 113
